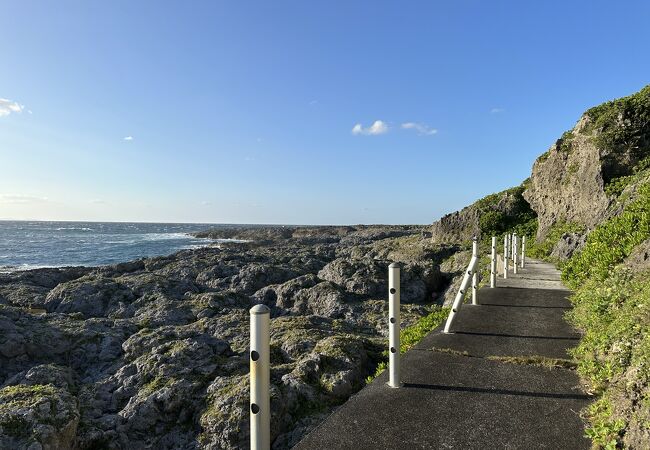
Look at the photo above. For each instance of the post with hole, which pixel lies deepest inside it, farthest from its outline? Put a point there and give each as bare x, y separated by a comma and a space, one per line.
515, 252
523, 251
260, 398
493, 263
505, 256
475, 274
393, 325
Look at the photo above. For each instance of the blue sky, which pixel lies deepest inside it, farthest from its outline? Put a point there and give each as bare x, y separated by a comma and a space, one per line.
295, 111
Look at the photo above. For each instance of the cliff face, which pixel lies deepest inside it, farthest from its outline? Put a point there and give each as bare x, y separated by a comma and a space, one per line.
577, 179
490, 215
567, 183
582, 179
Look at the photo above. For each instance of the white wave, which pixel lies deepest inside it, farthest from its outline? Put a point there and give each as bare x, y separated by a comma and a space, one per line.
165, 236
74, 228
24, 267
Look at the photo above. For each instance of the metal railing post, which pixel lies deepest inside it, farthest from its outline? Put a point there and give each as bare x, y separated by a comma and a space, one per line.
475, 274
493, 263
260, 397
393, 325
461, 293
515, 253
523, 251
505, 256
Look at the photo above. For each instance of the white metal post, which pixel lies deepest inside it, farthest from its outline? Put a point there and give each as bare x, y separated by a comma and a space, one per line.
393, 325
475, 274
493, 263
260, 397
461, 293
523, 251
505, 256
515, 252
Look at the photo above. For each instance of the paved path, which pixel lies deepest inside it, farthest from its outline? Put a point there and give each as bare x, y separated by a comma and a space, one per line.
459, 394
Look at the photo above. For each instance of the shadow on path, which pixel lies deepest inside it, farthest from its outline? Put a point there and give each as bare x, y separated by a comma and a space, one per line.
439, 387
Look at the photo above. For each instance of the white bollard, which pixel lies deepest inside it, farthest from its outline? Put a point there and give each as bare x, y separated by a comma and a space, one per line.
475, 275
260, 397
461, 293
505, 256
515, 253
493, 263
393, 326
523, 251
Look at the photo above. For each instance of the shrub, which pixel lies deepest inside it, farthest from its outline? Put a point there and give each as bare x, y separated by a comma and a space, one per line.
611, 242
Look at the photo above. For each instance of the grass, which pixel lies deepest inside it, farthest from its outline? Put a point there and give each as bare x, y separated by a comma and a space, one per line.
410, 336
535, 360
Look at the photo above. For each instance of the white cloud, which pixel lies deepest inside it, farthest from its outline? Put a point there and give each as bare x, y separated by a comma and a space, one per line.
496, 110
21, 199
98, 201
313, 102
423, 130
128, 138
206, 203
7, 107
378, 127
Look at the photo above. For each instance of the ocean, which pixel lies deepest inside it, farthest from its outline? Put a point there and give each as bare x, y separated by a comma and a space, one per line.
28, 245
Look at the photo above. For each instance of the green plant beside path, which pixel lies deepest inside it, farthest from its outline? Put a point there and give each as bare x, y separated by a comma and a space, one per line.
410, 336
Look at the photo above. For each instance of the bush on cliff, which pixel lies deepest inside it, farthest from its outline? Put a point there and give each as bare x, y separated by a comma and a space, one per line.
610, 242
612, 309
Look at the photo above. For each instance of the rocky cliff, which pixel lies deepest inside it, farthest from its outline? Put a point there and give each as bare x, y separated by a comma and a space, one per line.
493, 214
586, 176
579, 177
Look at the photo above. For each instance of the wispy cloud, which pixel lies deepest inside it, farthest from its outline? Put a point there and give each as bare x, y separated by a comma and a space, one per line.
98, 201
378, 127
20, 199
206, 203
128, 138
420, 128
496, 110
313, 102
7, 107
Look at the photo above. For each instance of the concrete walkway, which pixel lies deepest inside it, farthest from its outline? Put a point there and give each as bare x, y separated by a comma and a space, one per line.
460, 393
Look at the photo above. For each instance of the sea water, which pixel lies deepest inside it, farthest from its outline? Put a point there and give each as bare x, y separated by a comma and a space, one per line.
27, 245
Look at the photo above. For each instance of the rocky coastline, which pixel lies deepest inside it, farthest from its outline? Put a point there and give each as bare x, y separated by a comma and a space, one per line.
153, 353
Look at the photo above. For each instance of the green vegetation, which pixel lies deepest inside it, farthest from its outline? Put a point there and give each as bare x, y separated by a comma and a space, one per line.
610, 242
535, 360
22, 397
493, 221
624, 122
543, 249
604, 432
154, 385
615, 186
565, 143
410, 336
614, 354
612, 308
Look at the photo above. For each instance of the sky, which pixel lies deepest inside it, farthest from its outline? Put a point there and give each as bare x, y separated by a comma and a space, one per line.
295, 112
